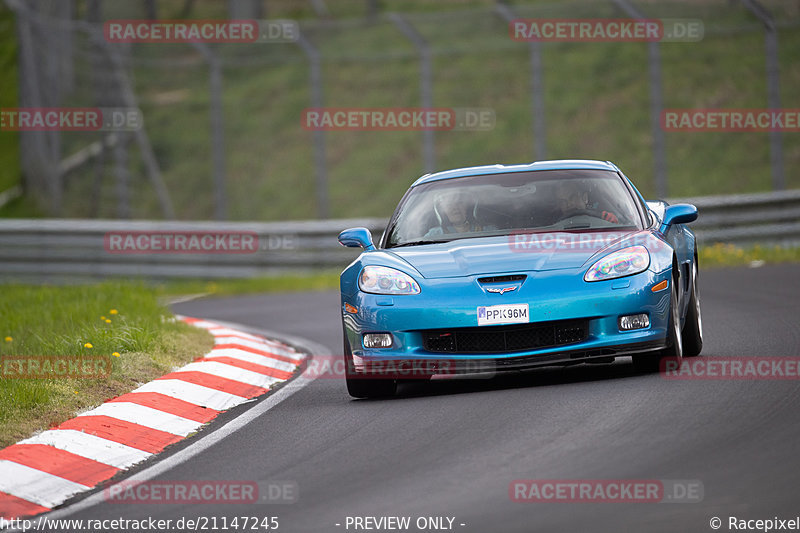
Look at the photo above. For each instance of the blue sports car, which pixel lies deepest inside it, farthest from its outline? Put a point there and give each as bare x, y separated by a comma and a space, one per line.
495, 268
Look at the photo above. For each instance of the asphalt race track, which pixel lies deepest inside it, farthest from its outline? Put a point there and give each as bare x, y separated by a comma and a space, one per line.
452, 448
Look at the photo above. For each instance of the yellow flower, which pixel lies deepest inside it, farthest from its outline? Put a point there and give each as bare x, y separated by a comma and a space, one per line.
9, 339
108, 321
88, 345
102, 318
115, 354
76, 392
113, 312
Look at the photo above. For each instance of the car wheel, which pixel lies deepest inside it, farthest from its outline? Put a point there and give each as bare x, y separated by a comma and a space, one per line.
650, 362
693, 328
359, 386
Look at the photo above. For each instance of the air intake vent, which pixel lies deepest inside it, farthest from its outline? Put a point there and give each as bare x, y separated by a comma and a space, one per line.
503, 279
499, 339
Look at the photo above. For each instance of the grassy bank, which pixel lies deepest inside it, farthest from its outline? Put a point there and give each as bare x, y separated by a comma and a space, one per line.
122, 323
229, 287
597, 99
730, 255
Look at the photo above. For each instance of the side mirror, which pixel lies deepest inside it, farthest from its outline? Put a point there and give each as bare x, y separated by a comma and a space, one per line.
678, 214
357, 238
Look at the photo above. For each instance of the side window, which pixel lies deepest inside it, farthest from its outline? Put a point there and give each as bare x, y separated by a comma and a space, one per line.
648, 218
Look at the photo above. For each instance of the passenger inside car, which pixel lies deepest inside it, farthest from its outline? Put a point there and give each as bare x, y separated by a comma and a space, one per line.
572, 198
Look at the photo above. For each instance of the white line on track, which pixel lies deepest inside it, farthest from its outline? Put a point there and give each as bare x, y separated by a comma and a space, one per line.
193, 393
250, 357
146, 416
230, 372
258, 345
90, 446
203, 324
219, 332
36, 486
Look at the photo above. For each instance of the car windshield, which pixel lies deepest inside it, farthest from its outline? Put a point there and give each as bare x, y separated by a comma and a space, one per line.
503, 204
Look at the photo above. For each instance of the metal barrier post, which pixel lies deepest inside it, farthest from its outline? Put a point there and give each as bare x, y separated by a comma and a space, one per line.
773, 88
656, 105
537, 88
425, 84
320, 161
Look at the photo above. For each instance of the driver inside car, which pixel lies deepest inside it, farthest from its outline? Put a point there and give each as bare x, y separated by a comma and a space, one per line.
455, 212
573, 199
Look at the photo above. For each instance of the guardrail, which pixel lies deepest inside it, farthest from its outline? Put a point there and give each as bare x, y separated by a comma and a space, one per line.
44, 249
766, 218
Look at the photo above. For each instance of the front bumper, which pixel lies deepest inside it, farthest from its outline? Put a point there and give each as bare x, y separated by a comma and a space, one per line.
552, 297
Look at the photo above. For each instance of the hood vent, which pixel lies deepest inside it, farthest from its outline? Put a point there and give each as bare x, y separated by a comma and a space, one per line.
503, 279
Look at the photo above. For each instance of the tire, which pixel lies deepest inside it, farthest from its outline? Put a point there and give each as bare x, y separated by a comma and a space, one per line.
361, 387
693, 328
650, 362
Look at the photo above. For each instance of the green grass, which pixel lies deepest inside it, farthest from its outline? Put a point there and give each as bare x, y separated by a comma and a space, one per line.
61, 322
596, 94
729, 255
231, 287
21, 207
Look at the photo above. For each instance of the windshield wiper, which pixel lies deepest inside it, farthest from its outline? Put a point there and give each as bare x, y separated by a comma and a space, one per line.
417, 243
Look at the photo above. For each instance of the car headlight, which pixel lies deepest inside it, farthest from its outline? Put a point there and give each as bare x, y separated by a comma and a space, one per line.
385, 280
620, 263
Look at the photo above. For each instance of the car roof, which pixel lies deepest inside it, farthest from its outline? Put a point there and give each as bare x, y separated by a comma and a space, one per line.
558, 164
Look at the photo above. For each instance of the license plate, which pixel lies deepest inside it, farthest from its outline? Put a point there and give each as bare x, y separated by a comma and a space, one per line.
503, 314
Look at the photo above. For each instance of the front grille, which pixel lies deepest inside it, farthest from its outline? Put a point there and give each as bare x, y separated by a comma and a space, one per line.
499, 339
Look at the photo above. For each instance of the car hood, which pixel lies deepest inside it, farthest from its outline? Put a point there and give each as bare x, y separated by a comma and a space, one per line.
514, 253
